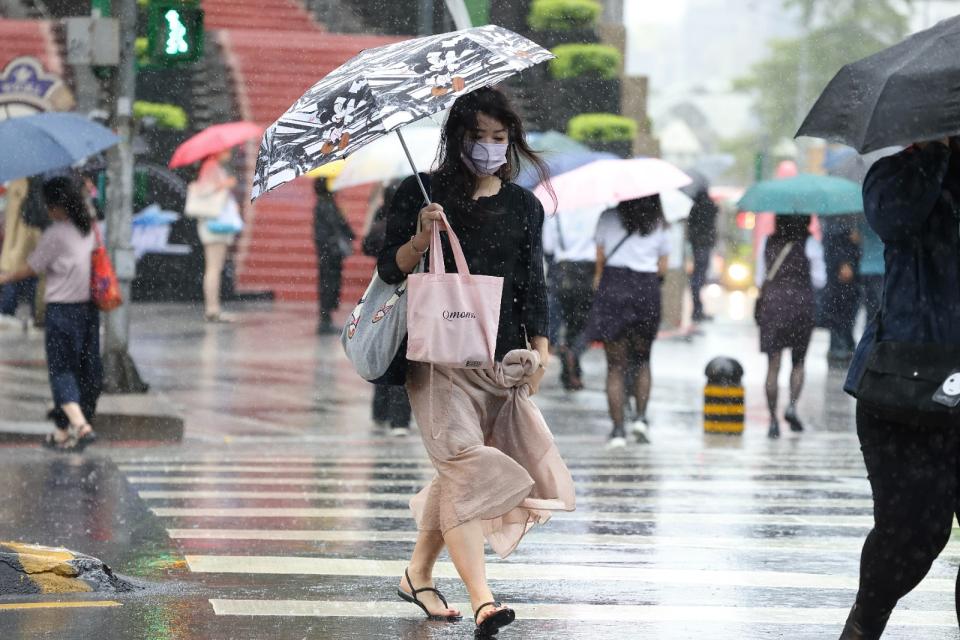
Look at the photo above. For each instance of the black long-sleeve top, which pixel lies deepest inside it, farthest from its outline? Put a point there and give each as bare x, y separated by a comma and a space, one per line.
504, 241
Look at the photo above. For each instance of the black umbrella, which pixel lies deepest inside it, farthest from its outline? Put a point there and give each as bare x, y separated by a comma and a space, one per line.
383, 89
903, 94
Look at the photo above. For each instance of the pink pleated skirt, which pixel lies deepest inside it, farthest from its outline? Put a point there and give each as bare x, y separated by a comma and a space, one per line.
495, 457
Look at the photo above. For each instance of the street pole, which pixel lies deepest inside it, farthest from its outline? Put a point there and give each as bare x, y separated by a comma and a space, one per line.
425, 26
120, 372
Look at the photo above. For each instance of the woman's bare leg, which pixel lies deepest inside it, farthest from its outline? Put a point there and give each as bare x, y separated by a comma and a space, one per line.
214, 256
425, 553
466, 545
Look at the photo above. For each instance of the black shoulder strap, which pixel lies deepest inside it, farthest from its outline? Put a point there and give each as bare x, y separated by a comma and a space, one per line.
618, 245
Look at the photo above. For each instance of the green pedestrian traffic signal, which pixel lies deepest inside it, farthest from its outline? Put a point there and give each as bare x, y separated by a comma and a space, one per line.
174, 33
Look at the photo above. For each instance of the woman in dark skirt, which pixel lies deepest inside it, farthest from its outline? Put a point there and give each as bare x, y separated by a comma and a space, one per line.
632, 250
789, 266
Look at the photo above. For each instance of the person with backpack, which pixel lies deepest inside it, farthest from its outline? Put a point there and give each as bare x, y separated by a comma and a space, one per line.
569, 240
72, 321
633, 246
790, 266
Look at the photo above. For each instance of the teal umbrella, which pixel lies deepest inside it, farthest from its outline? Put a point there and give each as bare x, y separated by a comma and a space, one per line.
805, 194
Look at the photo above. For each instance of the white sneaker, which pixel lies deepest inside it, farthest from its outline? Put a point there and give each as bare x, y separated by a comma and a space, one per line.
399, 432
616, 443
640, 431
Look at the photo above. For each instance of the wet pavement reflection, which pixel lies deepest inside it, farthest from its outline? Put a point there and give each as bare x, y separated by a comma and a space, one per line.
284, 512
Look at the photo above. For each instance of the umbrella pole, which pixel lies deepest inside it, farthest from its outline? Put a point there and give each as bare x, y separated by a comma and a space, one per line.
416, 174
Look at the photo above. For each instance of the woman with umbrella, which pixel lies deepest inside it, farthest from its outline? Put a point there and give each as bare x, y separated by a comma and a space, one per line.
72, 326
486, 484
214, 147
789, 266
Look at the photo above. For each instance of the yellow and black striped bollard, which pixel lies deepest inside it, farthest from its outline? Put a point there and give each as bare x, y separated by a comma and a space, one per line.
723, 409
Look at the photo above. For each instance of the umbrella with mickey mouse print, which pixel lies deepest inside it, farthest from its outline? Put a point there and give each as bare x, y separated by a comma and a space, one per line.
380, 90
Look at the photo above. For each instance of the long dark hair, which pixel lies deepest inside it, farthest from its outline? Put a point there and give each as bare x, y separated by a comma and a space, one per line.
453, 179
66, 193
792, 228
643, 215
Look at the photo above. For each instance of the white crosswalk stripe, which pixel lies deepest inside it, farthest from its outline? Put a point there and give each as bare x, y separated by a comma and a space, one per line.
672, 520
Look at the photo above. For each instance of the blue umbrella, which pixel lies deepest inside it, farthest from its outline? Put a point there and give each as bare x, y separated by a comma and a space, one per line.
559, 163
47, 141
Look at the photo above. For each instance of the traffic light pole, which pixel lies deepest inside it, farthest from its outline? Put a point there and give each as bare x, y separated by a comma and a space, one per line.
120, 372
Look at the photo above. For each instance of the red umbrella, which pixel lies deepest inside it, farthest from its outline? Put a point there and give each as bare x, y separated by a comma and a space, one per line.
213, 140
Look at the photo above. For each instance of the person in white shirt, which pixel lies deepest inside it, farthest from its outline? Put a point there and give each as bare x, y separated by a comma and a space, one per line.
789, 266
569, 239
633, 245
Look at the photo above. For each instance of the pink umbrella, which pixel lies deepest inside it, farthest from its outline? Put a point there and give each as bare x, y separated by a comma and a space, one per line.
607, 182
213, 140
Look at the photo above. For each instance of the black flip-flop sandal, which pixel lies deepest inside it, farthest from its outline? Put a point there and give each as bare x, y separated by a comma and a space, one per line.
491, 624
412, 598
82, 442
69, 444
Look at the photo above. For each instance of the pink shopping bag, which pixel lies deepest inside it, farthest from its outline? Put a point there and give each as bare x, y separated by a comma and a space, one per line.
452, 318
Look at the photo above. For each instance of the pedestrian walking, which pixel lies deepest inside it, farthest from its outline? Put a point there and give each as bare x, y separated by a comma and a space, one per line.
702, 234
569, 240
789, 267
904, 378
217, 235
633, 245
25, 218
333, 239
72, 321
841, 297
391, 406
498, 469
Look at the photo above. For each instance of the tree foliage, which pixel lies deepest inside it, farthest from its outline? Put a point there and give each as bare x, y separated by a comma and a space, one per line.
838, 32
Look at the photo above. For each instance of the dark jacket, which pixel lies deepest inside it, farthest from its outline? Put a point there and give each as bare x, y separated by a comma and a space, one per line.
331, 233
912, 201
702, 223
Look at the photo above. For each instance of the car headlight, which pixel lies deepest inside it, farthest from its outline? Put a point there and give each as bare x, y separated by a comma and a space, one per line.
738, 272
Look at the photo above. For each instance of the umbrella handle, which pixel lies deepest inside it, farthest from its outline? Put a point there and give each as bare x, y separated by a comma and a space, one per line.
416, 174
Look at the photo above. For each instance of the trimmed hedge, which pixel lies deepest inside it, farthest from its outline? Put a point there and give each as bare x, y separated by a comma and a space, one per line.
168, 116
602, 127
578, 60
563, 15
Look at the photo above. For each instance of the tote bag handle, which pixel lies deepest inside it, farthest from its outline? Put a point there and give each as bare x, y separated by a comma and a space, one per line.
436, 249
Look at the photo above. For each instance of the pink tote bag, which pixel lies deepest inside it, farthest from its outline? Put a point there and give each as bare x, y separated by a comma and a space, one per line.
452, 318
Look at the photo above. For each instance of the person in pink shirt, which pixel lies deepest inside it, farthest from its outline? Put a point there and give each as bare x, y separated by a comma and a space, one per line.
72, 320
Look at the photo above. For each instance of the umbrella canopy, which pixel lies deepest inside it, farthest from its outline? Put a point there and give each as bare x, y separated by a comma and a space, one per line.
330, 170
382, 89
549, 142
559, 164
676, 205
213, 140
805, 194
854, 166
607, 182
901, 95
384, 160
49, 141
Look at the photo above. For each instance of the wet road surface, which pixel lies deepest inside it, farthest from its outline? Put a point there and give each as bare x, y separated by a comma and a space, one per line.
283, 514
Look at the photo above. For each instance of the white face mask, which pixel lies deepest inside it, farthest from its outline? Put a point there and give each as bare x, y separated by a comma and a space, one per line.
485, 158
